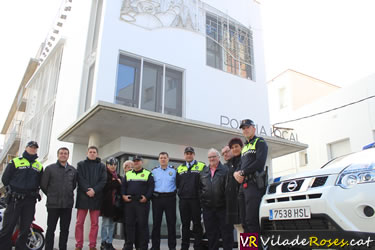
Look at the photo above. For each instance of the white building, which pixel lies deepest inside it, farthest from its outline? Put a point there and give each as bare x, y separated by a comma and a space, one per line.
333, 121
140, 77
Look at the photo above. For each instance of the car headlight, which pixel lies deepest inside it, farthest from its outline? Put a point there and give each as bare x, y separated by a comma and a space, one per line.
356, 174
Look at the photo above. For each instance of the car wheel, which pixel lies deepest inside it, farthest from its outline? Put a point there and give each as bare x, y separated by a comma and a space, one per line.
35, 241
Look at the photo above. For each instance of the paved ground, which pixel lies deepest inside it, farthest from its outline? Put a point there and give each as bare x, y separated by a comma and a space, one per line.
118, 244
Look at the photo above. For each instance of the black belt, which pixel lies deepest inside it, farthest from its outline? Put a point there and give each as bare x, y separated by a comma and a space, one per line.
159, 195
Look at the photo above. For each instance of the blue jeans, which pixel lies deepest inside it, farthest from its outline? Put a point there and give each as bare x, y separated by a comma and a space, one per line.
108, 226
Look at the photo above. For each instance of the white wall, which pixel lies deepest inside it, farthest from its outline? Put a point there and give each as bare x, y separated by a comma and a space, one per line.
355, 122
218, 90
67, 96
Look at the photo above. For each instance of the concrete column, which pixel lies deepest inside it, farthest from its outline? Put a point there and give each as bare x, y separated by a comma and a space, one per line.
94, 140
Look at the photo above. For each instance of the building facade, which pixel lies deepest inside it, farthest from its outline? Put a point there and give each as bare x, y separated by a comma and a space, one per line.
140, 77
333, 121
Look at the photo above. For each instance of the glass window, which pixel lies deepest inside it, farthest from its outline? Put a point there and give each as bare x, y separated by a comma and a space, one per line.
214, 51
229, 46
151, 87
338, 148
154, 82
173, 92
128, 77
282, 98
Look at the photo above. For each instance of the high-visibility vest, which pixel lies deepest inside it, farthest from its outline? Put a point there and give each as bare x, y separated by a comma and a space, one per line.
142, 176
198, 166
23, 162
249, 146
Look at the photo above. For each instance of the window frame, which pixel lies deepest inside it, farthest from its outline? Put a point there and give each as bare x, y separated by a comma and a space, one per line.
232, 56
165, 67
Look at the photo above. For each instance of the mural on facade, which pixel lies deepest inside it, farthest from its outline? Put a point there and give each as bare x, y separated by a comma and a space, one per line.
152, 14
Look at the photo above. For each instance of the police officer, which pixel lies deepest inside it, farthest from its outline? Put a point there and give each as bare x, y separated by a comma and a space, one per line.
253, 159
137, 189
188, 190
22, 178
164, 200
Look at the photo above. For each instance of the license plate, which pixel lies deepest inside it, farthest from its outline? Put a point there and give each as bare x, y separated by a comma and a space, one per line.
293, 213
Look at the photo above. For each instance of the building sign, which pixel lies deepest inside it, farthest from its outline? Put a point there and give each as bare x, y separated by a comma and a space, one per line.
152, 14
284, 133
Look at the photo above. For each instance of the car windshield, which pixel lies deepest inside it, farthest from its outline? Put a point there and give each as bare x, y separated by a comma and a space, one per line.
363, 157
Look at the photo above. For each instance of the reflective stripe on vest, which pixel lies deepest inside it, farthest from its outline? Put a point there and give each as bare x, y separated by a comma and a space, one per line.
196, 167
249, 146
23, 162
142, 176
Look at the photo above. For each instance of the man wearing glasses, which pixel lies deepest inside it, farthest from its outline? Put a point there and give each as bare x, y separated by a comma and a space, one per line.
226, 153
212, 197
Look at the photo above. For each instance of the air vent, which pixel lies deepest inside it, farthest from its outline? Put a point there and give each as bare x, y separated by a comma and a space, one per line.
314, 196
272, 188
319, 181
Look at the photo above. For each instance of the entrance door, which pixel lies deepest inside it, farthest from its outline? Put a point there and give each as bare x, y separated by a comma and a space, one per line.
149, 163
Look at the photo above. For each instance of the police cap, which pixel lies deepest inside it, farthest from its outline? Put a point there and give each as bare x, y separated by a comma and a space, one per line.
137, 158
189, 149
32, 144
247, 122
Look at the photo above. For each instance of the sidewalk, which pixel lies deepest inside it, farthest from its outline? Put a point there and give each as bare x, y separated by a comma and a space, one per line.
118, 244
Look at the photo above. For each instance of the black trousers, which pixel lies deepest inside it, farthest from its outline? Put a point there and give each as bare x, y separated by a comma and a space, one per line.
137, 224
21, 211
215, 225
54, 214
249, 202
159, 206
190, 210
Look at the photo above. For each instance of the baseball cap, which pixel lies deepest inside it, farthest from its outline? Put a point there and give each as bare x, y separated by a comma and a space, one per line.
247, 122
189, 149
137, 158
32, 144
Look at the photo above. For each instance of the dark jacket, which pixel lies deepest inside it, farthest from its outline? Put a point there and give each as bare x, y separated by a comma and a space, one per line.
231, 191
135, 184
91, 174
212, 189
254, 160
110, 190
58, 183
24, 179
187, 180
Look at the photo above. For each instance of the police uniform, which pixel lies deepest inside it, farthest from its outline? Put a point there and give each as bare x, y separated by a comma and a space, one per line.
253, 158
135, 184
22, 178
190, 210
164, 200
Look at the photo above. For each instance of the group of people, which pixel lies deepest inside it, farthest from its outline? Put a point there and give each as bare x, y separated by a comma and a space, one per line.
226, 194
